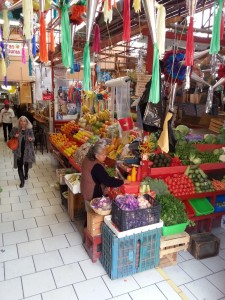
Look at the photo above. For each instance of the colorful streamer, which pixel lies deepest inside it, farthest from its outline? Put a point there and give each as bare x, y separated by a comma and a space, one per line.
52, 41
23, 56
222, 27
107, 12
137, 6
87, 69
27, 18
161, 28
215, 40
126, 20
154, 95
96, 42
30, 66
66, 38
6, 31
34, 49
72, 65
189, 58
43, 43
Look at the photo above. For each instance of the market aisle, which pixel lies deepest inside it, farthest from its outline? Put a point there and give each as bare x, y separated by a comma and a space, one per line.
42, 257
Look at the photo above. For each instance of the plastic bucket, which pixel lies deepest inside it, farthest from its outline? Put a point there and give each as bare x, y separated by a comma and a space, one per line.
126, 123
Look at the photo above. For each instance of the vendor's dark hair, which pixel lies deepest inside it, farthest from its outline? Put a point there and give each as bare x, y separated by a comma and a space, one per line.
95, 149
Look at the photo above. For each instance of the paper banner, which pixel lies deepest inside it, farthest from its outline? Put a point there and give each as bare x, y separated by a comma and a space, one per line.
149, 9
91, 10
191, 7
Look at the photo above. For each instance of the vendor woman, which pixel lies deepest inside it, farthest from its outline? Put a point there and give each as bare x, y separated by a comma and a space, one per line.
94, 178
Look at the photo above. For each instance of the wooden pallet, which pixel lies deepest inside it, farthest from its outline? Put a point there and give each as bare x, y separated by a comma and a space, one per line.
168, 260
174, 243
216, 124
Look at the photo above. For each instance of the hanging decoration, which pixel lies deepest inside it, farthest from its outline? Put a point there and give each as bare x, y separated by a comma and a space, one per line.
3, 66
23, 56
27, 19
215, 40
189, 58
96, 42
222, 26
77, 11
34, 49
107, 11
6, 31
47, 5
7, 60
174, 68
149, 7
66, 37
91, 9
137, 6
52, 41
43, 53
30, 66
126, 21
161, 28
221, 72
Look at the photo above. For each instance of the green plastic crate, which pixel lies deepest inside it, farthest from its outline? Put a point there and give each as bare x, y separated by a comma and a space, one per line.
174, 229
202, 206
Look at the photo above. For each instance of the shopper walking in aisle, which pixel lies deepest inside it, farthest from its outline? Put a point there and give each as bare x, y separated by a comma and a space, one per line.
94, 178
24, 156
6, 118
23, 111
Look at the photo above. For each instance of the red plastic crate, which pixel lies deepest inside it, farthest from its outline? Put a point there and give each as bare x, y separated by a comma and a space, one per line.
189, 209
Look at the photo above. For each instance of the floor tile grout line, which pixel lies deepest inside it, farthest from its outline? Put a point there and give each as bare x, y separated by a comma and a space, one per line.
214, 284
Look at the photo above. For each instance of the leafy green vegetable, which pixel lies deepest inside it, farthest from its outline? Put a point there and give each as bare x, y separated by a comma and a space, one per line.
172, 210
210, 139
184, 130
157, 185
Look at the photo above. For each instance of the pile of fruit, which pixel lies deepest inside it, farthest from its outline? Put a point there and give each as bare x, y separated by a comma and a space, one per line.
70, 128
180, 185
114, 149
82, 136
200, 179
218, 185
160, 160
63, 143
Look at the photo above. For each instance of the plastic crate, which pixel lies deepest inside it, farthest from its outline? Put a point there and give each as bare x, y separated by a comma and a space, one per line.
174, 229
126, 220
76, 187
60, 174
131, 254
189, 209
202, 206
219, 199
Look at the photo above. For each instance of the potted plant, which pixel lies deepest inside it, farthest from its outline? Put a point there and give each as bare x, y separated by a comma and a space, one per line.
173, 214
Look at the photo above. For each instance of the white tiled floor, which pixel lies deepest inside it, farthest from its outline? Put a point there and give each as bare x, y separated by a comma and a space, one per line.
42, 256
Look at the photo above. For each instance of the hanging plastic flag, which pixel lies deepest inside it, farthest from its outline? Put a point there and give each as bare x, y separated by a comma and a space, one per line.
73, 33
187, 83
7, 60
52, 41
30, 66
161, 28
28, 18
215, 40
6, 31
198, 79
137, 5
91, 9
209, 100
107, 12
23, 56
43, 42
66, 37
72, 65
189, 58
34, 49
222, 27
96, 42
126, 20
214, 66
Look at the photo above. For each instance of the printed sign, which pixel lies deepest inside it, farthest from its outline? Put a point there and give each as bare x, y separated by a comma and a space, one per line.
14, 49
47, 96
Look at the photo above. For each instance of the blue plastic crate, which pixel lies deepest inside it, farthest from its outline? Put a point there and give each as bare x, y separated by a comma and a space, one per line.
219, 199
132, 254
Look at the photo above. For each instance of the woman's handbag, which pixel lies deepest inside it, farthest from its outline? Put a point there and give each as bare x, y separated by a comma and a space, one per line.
13, 144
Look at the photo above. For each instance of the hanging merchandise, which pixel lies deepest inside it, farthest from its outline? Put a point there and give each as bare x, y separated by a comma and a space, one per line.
215, 40
222, 26
161, 28
221, 71
34, 45
66, 37
191, 7
46, 6
211, 90
77, 11
76, 67
126, 20
137, 6
91, 9
43, 42
52, 41
23, 56
27, 19
96, 47
120, 93
149, 8
30, 66
6, 30
108, 13
174, 68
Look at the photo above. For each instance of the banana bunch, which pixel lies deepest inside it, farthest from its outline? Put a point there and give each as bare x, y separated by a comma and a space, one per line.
92, 120
85, 109
74, 179
119, 149
104, 115
113, 155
